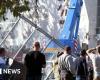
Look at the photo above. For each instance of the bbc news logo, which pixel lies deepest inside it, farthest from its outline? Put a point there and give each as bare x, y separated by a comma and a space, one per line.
10, 71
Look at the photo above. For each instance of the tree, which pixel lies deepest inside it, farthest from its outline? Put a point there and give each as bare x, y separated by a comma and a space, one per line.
15, 6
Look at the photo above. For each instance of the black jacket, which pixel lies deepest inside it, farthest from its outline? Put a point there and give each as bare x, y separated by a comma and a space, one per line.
81, 67
34, 62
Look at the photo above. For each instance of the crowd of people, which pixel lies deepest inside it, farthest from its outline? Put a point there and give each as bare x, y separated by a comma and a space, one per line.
83, 67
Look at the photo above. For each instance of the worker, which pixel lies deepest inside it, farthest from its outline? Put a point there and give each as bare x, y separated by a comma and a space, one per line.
66, 65
94, 54
56, 66
82, 67
2, 62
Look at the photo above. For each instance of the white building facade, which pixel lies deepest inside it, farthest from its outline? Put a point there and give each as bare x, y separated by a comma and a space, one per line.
91, 6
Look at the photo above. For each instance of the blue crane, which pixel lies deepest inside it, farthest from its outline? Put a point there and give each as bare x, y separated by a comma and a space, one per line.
69, 34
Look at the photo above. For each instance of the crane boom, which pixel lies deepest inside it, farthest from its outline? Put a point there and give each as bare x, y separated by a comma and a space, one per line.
69, 34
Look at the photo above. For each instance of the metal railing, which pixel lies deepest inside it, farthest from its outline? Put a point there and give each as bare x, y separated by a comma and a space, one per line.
10, 32
23, 45
38, 29
42, 31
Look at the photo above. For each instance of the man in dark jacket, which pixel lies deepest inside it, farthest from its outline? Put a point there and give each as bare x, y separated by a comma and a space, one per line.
81, 67
2, 62
34, 62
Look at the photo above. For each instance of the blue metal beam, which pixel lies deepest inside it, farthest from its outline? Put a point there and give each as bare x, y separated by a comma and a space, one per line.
71, 25
72, 20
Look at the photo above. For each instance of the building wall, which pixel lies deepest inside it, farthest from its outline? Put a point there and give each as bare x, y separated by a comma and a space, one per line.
84, 25
91, 6
98, 18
